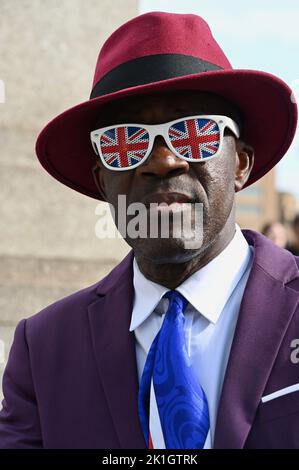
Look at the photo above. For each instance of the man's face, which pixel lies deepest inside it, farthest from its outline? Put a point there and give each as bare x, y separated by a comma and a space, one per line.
164, 176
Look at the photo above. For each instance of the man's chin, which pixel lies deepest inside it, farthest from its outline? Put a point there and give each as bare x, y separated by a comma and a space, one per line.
165, 250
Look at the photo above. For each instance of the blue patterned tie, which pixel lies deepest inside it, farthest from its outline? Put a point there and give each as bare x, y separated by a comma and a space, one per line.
182, 404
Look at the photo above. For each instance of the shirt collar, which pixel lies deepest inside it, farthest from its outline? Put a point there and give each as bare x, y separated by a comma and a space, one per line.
208, 289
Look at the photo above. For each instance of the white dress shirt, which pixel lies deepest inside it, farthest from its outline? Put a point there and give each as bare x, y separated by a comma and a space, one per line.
214, 295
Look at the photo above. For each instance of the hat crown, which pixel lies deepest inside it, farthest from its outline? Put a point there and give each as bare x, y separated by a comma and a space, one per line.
156, 33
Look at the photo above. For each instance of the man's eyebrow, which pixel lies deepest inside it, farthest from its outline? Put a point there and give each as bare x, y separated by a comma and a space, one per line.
123, 114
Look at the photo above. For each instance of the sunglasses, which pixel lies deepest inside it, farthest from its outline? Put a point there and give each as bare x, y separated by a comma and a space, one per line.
193, 138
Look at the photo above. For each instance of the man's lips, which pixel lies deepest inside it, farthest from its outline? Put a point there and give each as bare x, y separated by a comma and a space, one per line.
168, 198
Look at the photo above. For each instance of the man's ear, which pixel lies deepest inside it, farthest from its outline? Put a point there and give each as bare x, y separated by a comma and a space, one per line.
98, 179
244, 163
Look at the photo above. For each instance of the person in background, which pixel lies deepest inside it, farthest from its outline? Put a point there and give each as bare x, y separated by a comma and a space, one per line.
276, 232
294, 246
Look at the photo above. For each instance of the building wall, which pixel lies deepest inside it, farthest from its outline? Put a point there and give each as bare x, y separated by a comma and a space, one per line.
288, 207
48, 247
258, 204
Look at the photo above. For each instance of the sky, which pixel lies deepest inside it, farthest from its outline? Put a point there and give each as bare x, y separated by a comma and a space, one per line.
254, 35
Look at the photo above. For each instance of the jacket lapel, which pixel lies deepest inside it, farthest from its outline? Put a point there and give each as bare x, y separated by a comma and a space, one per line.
114, 347
266, 310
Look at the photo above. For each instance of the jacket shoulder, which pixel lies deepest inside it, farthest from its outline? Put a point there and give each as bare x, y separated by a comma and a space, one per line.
275, 261
72, 307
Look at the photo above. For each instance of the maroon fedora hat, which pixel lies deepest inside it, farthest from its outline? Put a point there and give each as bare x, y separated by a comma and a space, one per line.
162, 52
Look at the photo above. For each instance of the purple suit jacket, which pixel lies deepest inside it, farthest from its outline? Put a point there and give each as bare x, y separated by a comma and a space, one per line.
71, 378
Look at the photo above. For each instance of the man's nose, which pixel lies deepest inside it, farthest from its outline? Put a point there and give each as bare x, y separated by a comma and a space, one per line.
162, 162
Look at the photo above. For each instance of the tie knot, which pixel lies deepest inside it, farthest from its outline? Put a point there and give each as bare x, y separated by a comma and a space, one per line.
176, 297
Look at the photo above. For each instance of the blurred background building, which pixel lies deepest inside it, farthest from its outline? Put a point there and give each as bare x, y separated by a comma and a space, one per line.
48, 246
261, 203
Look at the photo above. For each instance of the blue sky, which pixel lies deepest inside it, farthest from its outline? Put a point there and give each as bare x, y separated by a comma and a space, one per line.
254, 35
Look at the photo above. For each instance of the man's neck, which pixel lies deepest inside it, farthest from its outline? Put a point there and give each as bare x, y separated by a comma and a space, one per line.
171, 275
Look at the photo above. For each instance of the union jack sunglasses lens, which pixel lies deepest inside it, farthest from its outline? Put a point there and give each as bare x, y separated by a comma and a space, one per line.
124, 146
195, 139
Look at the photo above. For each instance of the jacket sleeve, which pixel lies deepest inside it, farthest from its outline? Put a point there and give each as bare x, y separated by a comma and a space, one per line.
19, 419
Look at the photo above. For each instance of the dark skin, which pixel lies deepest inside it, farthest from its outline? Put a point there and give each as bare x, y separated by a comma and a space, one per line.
212, 183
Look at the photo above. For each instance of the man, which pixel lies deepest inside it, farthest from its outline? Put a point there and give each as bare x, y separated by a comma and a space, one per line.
179, 346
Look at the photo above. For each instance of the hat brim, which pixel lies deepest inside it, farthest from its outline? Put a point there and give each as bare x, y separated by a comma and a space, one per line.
64, 149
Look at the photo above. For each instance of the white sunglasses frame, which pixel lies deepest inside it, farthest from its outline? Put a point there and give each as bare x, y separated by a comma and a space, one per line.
162, 129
